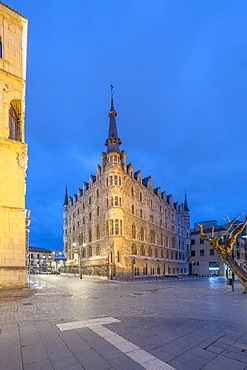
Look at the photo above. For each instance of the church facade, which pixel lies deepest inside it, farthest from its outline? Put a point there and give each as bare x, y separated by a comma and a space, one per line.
13, 149
119, 226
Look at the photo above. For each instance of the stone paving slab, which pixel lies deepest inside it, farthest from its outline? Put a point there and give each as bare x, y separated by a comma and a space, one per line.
180, 324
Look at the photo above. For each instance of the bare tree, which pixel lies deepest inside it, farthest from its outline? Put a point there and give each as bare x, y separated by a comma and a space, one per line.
223, 245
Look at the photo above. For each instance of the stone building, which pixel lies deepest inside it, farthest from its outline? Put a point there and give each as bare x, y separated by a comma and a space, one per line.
204, 260
13, 150
40, 260
119, 226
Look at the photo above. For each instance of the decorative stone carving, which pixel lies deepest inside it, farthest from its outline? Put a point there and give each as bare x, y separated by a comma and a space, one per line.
22, 160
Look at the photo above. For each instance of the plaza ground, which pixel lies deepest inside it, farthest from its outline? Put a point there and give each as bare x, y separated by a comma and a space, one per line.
63, 322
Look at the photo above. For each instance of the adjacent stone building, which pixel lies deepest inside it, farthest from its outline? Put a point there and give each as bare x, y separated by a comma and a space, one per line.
13, 150
119, 226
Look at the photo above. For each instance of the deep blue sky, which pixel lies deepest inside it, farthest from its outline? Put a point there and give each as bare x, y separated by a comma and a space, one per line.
179, 69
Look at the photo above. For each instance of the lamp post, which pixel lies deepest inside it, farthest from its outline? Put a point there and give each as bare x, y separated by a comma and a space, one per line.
79, 258
110, 261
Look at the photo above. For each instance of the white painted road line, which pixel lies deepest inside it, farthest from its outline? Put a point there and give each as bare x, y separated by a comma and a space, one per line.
137, 354
86, 323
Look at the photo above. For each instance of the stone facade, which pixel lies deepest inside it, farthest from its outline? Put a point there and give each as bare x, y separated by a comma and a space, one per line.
13, 150
119, 226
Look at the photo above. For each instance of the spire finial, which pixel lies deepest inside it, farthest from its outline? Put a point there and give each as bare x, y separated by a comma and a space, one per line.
113, 141
112, 92
66, 200
186, 207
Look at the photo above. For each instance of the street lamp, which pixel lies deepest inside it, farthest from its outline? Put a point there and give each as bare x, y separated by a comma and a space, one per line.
56, 254
79, 258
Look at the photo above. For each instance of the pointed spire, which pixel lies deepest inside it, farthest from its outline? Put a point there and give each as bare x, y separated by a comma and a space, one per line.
186, 207
113, 141
66, 199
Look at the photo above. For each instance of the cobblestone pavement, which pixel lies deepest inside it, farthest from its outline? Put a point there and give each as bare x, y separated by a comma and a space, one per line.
186, 324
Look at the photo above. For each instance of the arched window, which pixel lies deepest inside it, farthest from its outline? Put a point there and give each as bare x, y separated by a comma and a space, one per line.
14, 124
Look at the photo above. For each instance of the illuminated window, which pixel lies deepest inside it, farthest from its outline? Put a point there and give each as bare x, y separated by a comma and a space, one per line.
116, 227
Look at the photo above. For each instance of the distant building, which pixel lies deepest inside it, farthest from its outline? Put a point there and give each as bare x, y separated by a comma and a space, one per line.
204, 260
119, 226
13, 150
40, 260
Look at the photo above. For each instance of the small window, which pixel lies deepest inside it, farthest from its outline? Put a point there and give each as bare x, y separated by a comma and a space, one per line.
201, 252
142, 250
201, 241
133, 231
192, 241
134, 249
193, 253
211, 252
132, 191
14, 125
1, 48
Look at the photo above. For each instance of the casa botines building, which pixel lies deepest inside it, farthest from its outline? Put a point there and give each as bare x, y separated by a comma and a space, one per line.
119, 226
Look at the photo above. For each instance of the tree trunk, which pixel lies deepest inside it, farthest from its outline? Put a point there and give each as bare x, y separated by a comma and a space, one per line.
236, 269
